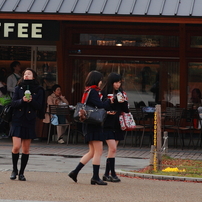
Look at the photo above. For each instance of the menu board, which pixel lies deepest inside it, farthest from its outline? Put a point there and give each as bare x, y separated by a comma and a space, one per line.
15, 53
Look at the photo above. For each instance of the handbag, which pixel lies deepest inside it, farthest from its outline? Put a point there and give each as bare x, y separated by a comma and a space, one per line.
7, 113
127, 121
54, 120
87, 114
5, 100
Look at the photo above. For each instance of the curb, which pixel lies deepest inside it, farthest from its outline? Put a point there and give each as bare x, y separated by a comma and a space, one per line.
158, 177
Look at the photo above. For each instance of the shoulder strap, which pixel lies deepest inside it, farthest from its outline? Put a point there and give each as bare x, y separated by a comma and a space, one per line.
16, 77
85, 96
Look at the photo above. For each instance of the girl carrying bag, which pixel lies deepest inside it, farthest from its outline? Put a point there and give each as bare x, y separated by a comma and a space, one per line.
87, 114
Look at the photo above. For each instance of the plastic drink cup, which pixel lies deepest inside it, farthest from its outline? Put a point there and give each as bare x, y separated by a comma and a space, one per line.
109, 96
119, 97
27, 94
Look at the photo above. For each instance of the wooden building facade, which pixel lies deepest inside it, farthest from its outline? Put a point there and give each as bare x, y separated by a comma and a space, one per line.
151, 43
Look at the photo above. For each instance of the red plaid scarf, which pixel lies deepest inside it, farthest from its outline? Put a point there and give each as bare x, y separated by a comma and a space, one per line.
87, 91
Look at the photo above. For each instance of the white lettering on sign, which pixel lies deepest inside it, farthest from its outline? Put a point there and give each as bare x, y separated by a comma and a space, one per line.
22, 29
36, 31
8, 27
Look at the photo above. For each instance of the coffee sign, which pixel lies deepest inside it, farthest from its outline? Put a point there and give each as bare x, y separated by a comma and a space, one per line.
29, 30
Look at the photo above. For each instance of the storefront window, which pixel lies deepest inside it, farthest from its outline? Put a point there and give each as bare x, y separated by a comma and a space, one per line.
126, 40
10, 53
46, 66
138, 79
196, 41
194, 84
40, 58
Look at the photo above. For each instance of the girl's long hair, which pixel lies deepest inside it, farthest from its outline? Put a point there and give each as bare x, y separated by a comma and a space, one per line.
112, 78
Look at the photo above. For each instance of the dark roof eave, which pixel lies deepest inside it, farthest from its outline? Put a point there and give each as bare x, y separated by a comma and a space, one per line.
103, 18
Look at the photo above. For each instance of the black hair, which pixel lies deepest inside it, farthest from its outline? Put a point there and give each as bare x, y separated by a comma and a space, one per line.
112, 78
35, 76
55, 86
197, 91
93, 78
14, 64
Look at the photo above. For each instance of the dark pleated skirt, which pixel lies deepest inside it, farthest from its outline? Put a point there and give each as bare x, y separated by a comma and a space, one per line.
22, 132
113, 135
94, 136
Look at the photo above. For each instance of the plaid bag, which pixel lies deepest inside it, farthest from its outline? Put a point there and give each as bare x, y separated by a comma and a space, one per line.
127, 122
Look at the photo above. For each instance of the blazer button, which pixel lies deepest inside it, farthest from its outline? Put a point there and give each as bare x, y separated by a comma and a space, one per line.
29, 112
20, 109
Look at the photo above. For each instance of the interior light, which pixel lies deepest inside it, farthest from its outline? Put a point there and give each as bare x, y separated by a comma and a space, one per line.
119, 43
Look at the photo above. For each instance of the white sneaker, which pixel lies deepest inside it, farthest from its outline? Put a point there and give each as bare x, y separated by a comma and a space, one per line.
61, 141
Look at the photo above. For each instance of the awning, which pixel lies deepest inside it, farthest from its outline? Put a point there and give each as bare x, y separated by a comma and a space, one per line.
170, 11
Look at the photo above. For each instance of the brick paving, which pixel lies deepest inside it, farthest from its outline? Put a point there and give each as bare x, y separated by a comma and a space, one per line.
77, 150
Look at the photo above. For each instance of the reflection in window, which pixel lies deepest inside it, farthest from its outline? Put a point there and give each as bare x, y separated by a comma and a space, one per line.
138, 79
196, 41
126, 40
194, 82
47, 66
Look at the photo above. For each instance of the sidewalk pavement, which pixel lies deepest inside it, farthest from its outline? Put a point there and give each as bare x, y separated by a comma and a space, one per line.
47, 178
127, 158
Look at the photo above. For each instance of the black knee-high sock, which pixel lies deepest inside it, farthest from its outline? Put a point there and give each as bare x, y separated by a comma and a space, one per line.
107, 169
15, 158
78, 168
96, 172
24, 160
112, 166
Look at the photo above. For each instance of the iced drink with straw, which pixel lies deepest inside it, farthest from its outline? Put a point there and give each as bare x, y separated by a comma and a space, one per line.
27, 94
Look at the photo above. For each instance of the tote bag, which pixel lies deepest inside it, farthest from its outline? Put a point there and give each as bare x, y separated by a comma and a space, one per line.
127, 122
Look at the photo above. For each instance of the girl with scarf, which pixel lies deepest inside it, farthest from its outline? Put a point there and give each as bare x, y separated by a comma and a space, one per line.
112, 130
25, 111
93, 133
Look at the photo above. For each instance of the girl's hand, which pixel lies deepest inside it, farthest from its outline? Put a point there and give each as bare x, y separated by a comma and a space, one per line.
112, 100
27, 100
62, 97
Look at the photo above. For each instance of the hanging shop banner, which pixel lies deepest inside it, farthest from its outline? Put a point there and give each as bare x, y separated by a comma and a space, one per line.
32, 30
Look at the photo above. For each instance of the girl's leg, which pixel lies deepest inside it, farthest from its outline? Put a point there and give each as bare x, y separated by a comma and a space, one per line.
73, 174
98, 148
25, 157
110, 162
15, 156
112, 146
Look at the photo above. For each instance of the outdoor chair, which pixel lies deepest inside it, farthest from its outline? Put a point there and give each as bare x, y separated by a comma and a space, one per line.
139, 118
170, 122
59, 110
190, 128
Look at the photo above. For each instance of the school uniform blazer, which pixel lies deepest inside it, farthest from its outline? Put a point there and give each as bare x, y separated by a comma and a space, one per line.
25, 112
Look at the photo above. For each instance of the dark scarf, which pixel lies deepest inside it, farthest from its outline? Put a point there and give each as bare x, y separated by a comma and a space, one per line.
30, 85
87, 91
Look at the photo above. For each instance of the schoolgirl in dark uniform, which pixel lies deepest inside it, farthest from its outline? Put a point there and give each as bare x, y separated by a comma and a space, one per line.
93, 133
25, 111
112, 130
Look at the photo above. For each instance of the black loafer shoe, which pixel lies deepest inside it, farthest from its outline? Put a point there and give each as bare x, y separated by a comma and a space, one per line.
98, 182
106, 178
21, 177
73, 176
13, 175
115, 179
